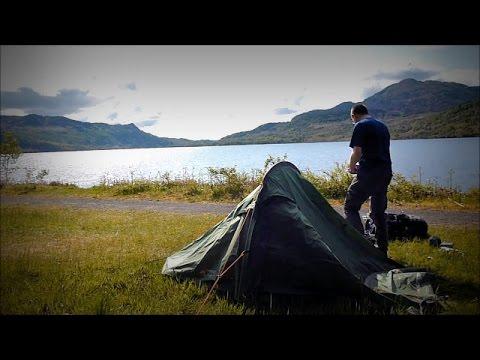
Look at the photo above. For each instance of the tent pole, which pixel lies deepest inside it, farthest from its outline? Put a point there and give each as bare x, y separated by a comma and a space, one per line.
218, 279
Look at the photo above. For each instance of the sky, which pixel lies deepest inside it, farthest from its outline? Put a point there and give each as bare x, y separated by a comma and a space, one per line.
207, 92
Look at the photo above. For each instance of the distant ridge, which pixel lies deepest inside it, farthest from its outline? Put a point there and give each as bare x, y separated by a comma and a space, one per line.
412, 97
37, 133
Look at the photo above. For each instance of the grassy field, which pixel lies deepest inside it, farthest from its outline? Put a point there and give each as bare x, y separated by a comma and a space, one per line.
70, 261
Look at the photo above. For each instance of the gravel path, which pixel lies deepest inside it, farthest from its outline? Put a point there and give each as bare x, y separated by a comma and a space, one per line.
440, 217
123, 204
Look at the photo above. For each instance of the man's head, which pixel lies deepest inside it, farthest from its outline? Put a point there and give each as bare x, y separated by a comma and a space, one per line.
358, 112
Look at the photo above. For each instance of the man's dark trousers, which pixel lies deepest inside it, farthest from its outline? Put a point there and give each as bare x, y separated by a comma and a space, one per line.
374, 183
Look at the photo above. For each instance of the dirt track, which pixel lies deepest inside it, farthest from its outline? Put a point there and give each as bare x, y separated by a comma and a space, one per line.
439, 217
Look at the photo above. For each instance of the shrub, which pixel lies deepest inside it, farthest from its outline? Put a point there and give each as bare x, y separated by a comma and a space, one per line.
271, 161
331, 184
133, 188
402, 189
233, 183
193, 189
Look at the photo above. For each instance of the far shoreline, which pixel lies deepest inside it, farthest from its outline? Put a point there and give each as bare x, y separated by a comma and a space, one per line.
215, 145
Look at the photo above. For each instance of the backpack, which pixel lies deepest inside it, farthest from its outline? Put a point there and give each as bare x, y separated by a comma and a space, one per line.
400, 227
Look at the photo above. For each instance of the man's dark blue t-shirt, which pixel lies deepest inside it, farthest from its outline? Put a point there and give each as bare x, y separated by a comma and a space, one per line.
374, 139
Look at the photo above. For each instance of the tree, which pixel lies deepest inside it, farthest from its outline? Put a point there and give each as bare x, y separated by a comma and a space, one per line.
9, 153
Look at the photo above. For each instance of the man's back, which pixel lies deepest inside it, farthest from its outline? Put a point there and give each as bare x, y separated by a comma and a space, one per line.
374, 139
371, 149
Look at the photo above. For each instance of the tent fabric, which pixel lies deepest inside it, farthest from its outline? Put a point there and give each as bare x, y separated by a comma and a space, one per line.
413, 284
293, 241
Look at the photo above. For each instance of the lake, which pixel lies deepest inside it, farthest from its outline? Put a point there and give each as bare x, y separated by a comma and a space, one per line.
445, 161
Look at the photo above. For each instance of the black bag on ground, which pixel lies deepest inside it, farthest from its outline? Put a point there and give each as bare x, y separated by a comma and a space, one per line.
400, 226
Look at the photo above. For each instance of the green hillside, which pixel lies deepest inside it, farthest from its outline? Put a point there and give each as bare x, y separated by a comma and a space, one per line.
56, 133
460, 121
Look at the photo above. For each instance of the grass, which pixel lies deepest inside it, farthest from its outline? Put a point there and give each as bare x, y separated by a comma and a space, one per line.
69, 261
459, 270
65, 261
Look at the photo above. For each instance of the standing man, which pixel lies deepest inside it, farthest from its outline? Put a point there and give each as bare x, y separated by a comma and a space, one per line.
370, 145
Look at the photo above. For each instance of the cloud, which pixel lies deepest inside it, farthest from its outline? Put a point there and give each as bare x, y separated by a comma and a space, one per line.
131, 86
284, 111
138, 109
146, 123
112, 116
371, 91
413, 73
470, 77
156, 116
299, 100
67, 101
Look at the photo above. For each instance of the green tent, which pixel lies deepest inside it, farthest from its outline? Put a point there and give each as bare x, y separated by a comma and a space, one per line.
284, 238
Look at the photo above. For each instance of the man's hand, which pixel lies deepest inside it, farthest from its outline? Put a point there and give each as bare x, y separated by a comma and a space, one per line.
353, 170
354, 158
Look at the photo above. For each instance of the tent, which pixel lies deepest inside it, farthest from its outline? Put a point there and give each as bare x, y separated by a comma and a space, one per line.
285, 238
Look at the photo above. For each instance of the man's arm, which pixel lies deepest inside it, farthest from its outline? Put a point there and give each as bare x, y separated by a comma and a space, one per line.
354, 158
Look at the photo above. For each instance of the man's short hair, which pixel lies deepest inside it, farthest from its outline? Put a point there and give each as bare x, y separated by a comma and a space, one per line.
359, 109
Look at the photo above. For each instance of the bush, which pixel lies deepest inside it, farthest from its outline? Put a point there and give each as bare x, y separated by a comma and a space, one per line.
218, 193
193, 188
402, 189
25, 188
60, 184
133, 188
228, 181
165, 179
271, 161
333, 184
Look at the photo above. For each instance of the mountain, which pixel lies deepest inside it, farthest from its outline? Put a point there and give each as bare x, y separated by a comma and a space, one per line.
339, 112
56, 133
406, 101
411, 97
